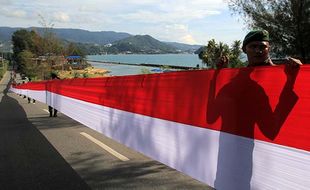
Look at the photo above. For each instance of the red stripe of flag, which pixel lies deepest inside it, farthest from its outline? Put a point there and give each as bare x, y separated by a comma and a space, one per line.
245, 101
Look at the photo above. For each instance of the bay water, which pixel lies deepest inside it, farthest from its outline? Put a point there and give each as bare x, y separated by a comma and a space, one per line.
187, 60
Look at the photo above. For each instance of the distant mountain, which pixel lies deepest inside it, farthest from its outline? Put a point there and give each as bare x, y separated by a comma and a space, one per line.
184, 47
100, 42
6, 33
141, 44
72, 35
84, 36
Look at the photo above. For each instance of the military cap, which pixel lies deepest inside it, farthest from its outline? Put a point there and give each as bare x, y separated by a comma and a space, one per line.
256, 35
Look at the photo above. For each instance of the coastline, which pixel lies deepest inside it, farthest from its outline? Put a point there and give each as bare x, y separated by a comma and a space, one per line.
144, 64
134, 64
89, 72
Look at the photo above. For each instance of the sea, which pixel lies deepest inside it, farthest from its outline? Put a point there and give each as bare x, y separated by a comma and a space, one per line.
187, 60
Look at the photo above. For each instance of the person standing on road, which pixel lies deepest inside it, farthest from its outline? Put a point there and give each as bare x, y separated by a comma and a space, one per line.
53, 111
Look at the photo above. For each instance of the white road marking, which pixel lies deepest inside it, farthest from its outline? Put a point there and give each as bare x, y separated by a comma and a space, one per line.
105, 147
46, 110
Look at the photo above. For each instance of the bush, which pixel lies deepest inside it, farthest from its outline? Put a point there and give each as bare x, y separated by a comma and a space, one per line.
3, 69
76, 75
85, 75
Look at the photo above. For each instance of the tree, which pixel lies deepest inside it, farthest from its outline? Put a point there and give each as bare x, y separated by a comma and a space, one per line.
50, 44
211, 54
286, 20
26, 64
21, 41
234, 56
24, 40
28, 45
74, 49
208, 54
35, 54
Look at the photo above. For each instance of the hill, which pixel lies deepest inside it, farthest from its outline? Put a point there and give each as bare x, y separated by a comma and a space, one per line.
84, 36
141, 44
184, 47
72, 35
100, 42
6, 33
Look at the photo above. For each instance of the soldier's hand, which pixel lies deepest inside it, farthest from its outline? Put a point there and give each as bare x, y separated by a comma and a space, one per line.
293, 62
223, 62
292, 68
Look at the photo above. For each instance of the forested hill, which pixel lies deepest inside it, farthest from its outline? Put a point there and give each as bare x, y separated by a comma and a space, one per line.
141, 44
84, 36
100, 42
184, 47
73, 35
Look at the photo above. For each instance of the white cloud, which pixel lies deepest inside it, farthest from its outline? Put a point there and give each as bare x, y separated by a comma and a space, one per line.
6, 2
174, 12
177, 27
170, 20
188, 39
61, 17
89, 8
180, 33
172, 32
17, 13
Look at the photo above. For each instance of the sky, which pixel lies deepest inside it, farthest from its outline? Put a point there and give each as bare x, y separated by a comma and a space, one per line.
184, 21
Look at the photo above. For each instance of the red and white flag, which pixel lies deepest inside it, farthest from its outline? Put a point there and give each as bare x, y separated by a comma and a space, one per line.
243, 128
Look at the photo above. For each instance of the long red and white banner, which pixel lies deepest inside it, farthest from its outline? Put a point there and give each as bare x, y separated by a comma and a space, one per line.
243, 128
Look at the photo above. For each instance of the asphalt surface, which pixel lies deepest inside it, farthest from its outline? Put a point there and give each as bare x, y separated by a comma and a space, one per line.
39, 152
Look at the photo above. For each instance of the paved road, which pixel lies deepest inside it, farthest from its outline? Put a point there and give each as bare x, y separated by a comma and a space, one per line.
38, 152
